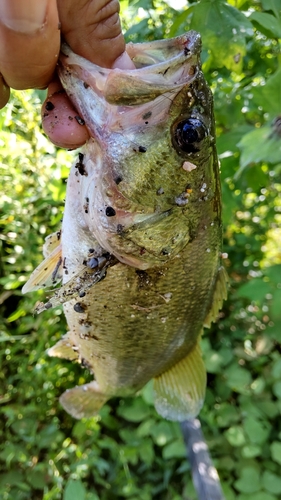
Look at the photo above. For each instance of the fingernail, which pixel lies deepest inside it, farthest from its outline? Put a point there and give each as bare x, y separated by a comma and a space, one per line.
23, 16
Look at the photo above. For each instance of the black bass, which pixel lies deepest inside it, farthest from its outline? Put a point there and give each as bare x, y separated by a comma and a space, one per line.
140, 244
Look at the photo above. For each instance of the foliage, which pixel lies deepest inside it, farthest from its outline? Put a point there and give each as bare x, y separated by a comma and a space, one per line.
129, 451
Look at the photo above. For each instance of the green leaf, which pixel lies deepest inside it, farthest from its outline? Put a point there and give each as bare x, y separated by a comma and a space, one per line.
271, 482
174, 450
273, 5
255, 290
37, 479
223, 29
269, 95
276, 369
251, 451
261, 495
275, 449
237, 378
249, 482
268, 150
267, 24
256, 430
162, 433
74, 490
235, 436
276, 389
134, 410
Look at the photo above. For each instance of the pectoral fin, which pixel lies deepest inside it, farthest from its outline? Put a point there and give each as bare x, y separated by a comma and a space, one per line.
52, 241
83, 401
48, 274
180, 391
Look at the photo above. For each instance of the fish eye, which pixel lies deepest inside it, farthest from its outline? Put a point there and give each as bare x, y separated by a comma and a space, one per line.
189, 133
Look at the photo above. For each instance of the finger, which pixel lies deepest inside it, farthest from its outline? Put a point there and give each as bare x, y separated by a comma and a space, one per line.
29, 42
60, 120
93, 29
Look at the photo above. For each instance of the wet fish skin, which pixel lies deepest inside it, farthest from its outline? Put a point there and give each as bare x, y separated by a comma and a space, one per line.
145, 190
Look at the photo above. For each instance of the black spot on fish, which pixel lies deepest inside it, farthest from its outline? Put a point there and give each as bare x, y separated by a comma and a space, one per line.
119, 228
186, 51
118, 180
49, 106
86, 85
79, 308
91, 250
142, 149
79, 120
143, 278
110, 212
82, 294
85, 363
165, 251
58, 234
167, 69
80, 165
147, 115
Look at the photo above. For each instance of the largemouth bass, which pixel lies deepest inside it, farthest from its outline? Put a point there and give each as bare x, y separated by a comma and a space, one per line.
140, 245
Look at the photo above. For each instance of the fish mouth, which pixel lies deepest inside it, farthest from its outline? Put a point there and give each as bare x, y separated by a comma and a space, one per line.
161, 67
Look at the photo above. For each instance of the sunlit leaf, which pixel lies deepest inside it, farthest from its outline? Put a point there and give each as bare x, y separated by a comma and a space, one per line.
223, 29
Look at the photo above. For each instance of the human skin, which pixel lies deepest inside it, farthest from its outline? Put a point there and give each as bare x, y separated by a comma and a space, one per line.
30, 38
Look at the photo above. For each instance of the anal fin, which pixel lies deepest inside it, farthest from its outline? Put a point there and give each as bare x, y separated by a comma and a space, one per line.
83, 401
180, 391
64, 348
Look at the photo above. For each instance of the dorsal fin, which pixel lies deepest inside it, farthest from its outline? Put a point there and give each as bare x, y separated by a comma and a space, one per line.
64, 348
180, 391
48, 274
83, 401
220, 294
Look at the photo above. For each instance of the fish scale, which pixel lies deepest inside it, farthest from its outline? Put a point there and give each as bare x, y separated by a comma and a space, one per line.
140, 245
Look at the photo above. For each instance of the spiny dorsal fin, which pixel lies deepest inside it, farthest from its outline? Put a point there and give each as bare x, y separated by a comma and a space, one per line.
83, 401
64, 348
220, 294
48, 274
180, 391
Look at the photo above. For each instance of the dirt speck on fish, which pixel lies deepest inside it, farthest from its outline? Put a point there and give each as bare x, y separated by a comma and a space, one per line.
141, 272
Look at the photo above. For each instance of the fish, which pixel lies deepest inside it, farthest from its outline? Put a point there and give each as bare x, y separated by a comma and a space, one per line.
138, 256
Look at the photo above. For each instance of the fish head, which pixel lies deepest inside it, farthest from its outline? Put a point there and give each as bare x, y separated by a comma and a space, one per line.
150, 156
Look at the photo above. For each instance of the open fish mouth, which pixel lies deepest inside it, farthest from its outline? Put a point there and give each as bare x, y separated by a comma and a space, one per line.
161, 66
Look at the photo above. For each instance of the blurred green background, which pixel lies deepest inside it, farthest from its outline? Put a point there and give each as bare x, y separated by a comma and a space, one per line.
129, 452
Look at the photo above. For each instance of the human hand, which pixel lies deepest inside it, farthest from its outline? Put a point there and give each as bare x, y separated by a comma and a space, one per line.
30, 38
